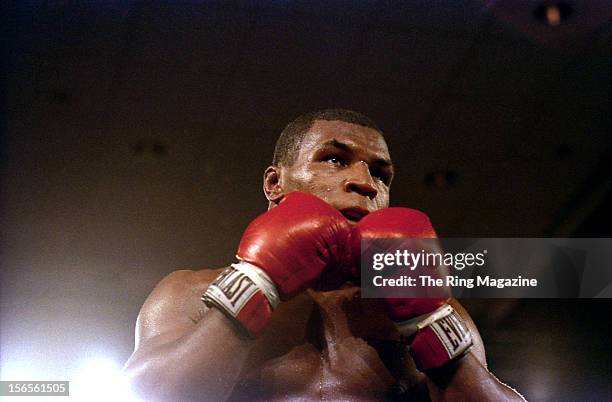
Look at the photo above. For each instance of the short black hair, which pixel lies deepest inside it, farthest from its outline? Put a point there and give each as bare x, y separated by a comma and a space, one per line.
290, 139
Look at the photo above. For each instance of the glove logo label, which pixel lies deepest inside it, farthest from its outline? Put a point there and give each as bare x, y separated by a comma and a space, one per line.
232, 289
454, 335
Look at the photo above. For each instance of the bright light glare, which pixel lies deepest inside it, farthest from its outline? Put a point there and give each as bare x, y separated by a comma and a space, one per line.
101, 379
16, 371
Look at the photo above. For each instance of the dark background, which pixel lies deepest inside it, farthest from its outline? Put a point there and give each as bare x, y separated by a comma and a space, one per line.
135, 134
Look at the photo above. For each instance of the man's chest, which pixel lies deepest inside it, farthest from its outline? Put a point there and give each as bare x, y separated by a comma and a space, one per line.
327, 346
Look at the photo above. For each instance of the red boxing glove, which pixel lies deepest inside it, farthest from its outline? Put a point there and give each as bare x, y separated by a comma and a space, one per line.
282, 252
435, 332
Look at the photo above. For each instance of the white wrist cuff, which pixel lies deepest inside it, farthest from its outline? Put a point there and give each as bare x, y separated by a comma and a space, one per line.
413, 325
261, 280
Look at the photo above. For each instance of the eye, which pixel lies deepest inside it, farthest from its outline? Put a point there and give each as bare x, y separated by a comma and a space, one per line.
334, 159
380, 175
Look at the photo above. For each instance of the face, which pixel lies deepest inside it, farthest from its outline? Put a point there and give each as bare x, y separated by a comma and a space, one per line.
345, 164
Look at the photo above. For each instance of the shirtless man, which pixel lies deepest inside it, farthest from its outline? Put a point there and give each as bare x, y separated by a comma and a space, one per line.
287, 321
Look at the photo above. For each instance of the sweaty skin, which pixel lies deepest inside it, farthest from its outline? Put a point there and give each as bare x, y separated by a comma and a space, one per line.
320, 345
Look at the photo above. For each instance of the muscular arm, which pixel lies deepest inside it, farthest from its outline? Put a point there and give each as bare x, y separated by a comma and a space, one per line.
185, 351
468, 379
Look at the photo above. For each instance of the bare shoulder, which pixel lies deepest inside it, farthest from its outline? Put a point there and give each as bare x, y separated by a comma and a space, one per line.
178, 287
174, 305
184, 279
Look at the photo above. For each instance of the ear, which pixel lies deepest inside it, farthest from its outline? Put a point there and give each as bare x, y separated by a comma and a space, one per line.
272, 184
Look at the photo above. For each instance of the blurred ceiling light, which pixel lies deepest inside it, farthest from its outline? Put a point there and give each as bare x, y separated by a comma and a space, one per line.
553, 14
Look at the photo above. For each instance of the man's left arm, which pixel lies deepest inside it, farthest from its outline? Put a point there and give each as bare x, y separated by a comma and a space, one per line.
444, 341
467, 377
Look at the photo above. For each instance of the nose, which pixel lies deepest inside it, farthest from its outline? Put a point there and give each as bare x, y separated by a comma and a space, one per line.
360, 181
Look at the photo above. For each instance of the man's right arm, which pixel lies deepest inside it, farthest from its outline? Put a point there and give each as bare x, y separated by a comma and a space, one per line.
185, 351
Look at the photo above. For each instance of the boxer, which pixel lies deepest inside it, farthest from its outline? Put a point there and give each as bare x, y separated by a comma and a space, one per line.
286, 321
